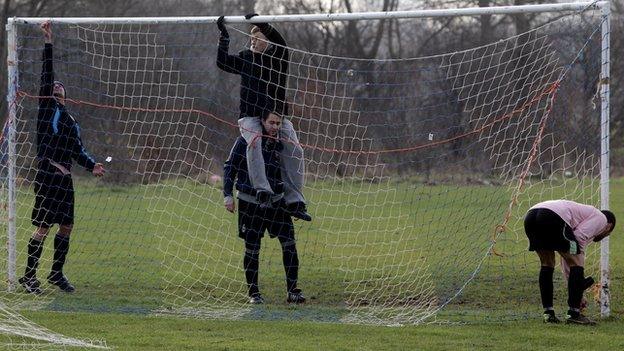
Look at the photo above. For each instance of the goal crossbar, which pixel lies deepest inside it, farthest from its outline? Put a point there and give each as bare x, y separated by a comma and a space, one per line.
354, 16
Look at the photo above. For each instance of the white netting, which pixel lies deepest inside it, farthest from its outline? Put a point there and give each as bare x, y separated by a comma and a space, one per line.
417, 171
19, 333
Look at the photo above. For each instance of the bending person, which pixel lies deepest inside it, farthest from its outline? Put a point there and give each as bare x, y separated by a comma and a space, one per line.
566, 227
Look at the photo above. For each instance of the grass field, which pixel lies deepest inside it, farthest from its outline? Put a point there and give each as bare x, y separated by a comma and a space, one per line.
139, 249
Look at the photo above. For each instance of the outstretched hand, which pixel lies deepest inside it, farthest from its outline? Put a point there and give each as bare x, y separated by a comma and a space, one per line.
221, 26
229, 204
98, 170
46, 27
250, 15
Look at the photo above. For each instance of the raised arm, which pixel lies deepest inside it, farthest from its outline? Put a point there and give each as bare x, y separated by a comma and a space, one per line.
47, 71
225, 61
274, 36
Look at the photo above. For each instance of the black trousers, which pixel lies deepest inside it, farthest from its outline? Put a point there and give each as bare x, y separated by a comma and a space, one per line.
253, 221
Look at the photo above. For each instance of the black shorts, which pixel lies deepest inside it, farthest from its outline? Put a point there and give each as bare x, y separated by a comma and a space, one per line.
547, 231
54, 199
253, 221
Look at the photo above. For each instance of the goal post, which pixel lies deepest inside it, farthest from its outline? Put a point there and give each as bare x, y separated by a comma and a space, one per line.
13, 86
406, 160
605, 296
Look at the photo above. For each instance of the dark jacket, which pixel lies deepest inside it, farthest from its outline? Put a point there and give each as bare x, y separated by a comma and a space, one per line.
58, 133
235, 168
263, 75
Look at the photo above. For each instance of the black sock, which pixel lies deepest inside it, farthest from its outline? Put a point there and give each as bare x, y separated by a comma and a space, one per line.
251, 265
576, 283
290, 259
61, 247
546, 286
35, 248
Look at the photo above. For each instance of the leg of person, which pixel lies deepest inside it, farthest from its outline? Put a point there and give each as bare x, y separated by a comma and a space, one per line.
539, 225
251, 129
61, 248
282, 226
65, 217
35, 248
293, 166
547, 260
293, 172
576, 287
290, 259
251, 263
250, 229
42, 218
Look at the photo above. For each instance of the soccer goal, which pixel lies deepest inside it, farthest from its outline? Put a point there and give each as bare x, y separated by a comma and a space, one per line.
418, 168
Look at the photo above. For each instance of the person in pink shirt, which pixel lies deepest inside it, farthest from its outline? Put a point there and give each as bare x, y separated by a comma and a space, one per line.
566, 227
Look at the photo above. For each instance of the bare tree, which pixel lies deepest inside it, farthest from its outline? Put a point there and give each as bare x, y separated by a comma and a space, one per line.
486, 23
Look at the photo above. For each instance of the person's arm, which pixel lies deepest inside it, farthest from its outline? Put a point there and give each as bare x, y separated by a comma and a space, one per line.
280, 51
272, 34
591, 227
230, 169
225, 61
47, 70
279, 62
79, 153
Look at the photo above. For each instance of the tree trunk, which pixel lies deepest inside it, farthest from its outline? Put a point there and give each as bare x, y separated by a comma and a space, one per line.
486, 24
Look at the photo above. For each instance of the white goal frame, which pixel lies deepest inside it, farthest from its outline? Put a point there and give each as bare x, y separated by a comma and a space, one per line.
603, 6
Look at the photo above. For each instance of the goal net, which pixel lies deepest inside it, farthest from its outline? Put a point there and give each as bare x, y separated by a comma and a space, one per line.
418, 170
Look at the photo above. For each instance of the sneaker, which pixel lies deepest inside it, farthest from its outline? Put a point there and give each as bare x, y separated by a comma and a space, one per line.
62, 282
551, 318
295, 296
298, 210
579, 319
256, 299
31, 285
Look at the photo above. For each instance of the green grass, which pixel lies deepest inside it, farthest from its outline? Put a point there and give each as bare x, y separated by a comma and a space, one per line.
133, 332
145, 248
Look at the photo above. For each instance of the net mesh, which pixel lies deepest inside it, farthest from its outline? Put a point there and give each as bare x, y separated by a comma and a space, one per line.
418, 173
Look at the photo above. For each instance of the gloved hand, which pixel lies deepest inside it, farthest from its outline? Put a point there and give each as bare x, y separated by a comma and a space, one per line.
221, 26
264, 198
299, 210
264, 27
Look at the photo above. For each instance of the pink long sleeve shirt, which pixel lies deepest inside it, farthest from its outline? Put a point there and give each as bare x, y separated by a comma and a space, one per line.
586, 222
